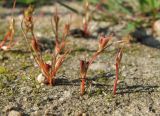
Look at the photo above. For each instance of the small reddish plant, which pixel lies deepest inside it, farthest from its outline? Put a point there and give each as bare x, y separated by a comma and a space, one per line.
84, 65
117, 64
83, 71
86, 19
49, 70
10, 34
59, 43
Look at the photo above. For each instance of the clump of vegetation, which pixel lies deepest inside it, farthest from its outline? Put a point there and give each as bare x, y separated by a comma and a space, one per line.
49, 70
10, 33
103, 44
3, 70
60, 52
84, 65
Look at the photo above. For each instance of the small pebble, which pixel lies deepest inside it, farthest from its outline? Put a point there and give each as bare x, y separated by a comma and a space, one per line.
14, 113
41, 78
156, 27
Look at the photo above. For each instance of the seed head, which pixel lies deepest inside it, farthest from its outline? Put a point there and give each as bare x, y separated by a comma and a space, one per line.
119, 56
83, 68
103, 42
35, 45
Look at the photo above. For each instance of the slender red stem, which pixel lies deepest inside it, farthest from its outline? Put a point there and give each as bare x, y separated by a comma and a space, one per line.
5, 38
115, 82
85, 29
50, 81
83, 86
93, 58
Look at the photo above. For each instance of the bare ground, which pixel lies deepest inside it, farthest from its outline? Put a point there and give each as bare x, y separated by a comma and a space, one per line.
138, 90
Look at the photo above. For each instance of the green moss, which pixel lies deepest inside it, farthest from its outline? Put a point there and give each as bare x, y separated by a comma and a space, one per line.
109, 97
80, 49
47, 57
25, 65
2, 85
98, 91
3, 70
102, 80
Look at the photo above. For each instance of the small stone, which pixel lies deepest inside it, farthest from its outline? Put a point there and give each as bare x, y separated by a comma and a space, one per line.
67, 94
14, 113
4, 48
10, 107
41, 78
156, 27
36, 113
39, 34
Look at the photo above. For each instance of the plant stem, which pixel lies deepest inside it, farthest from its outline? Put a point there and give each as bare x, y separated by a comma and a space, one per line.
93, 58
83, 81
115, 82
50, 81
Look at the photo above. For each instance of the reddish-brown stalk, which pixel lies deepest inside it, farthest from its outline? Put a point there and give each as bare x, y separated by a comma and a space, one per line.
48, 70
116, 79
103, 41
86, 19
118, 59
83, 71
82, 90
84, 65
11, 32
59, 44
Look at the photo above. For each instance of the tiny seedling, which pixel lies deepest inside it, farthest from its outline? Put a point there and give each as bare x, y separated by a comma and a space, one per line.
83, 71
103, 44
86, 19
117, 64
49, 70
84, 65
59, 43
10, 33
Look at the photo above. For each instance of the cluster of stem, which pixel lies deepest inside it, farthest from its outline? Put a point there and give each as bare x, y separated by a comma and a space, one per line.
84, 65
117, 64
49, 71
103, 44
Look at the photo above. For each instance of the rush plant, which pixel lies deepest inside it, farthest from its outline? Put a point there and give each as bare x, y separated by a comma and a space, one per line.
84, 65
86, 19
49, 70
4, 45
117, 64
103, 44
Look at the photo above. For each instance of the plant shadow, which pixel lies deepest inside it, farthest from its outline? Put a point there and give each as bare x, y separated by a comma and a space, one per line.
46, 44
122, 88
18, 51
79, 33
137, 89
146, 39
92, 80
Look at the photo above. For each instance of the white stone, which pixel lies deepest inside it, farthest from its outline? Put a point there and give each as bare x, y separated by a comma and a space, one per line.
156, 27
14, 113
41, 78
4, 48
